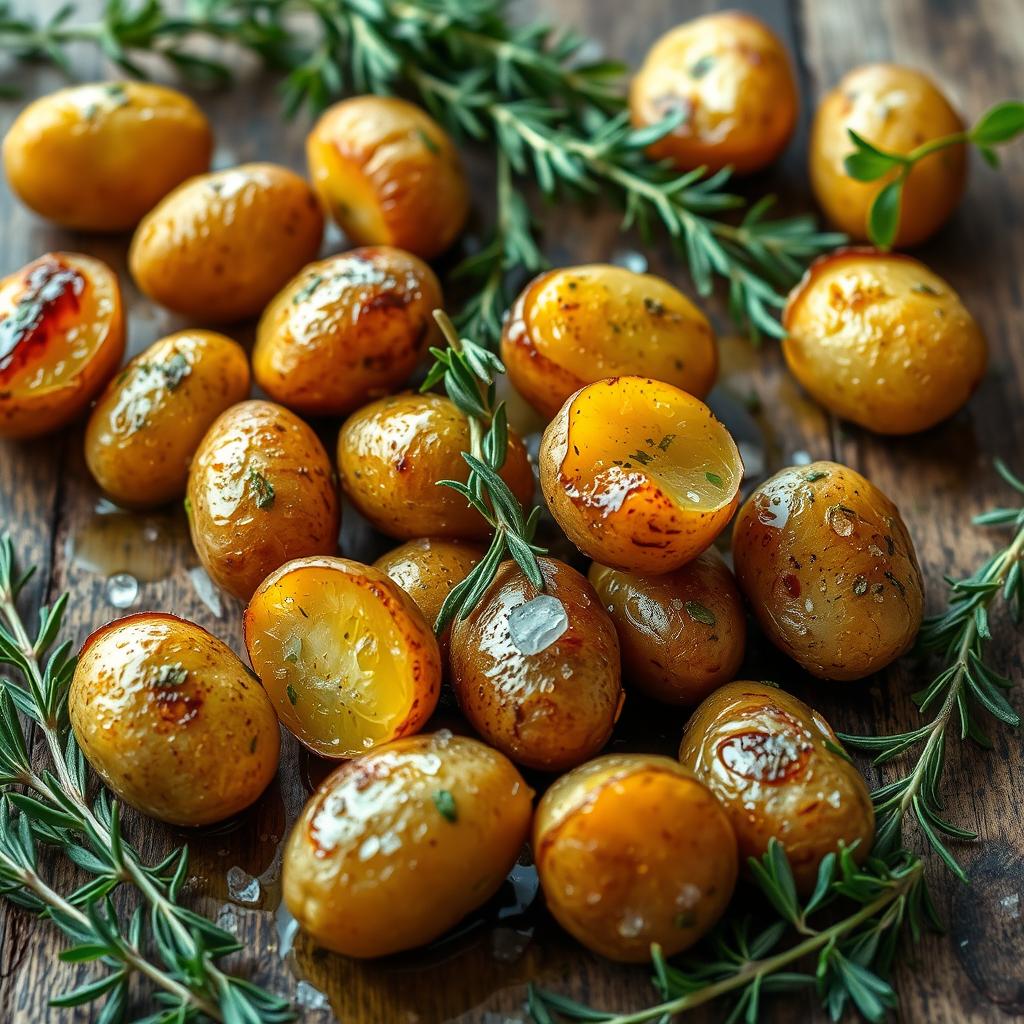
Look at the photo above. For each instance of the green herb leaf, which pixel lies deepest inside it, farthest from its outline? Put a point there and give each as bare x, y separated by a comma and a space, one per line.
263, 489
884, 215
1003, 122
702, 66
445, 803
171, 675
293, 695
700, 613
867, 162
714, 479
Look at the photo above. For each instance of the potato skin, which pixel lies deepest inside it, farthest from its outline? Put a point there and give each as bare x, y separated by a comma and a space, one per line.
633, 849
171, 720
878, 339
147, 425
220, 246
389, 174
829, 569
375, 864
345, 330
242, 529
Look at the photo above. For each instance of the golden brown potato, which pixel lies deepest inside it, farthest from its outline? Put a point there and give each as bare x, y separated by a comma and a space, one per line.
537, 675
61, 339
398, 845
388, 174
345, 330
731, 78
632, 849
221, 246
896, 109
260, 493
682, 633
171, 720
829, 569
880, 340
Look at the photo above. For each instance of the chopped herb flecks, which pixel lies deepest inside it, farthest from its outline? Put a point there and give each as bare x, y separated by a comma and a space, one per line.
445, 803
262, 488
700, 613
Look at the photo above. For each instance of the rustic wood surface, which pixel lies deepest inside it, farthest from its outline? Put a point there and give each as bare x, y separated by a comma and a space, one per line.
52, 507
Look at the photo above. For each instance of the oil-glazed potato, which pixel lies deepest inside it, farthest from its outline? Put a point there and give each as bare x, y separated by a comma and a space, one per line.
149, 422
345, 654
99, 157
772, 762
221, 246
392, 452
61, 339
896, 109
345, 330
577, 325
829, 569
400, 844
731, 78
632, 849
388, 174
880, 340
639, 475
682, 633
260, 493
537, 675
171, 720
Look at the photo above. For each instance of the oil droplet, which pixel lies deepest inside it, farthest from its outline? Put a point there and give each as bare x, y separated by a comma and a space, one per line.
112, 540
536, 625
631, 260
122, 590
841, 520
242, 887
287, 928
802, 458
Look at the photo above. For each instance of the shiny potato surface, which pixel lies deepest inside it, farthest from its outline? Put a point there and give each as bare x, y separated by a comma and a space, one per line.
222, 245
171, 720
61, 339
633, 849
896, 109
260, 493
829, 569
880, 340
639, 475
401, 843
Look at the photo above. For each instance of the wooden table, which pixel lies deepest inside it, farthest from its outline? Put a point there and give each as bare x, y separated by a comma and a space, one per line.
53, 509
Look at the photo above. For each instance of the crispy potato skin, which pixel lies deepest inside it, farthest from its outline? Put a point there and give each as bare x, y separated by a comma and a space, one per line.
373, 866
392, 452
171, 720
241, 531
682, 633
829, 569
345, 330
632, 849
99, 157
733, 80
878, 339
221, 246
61, 339
550, 709
896, 109
765, 755
147, 425
389, 174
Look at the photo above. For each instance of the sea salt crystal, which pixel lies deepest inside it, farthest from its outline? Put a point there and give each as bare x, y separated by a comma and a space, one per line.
536, 625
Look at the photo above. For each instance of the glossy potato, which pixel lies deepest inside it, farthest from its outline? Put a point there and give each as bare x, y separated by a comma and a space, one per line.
829, 569
400, 844
260, 493
632, 849
171, 720
880, 340
221, 246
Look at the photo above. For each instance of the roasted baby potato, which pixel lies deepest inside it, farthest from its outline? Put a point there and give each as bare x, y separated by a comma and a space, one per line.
398, 845
388, 174
149, 422
171, 720
221, 246
99, 157
639, 475
880, 340
260, 493
829, 569
682, 633
537, 675
577, 325
61, 339
632, 849
345, 654
730, 79
345, 330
